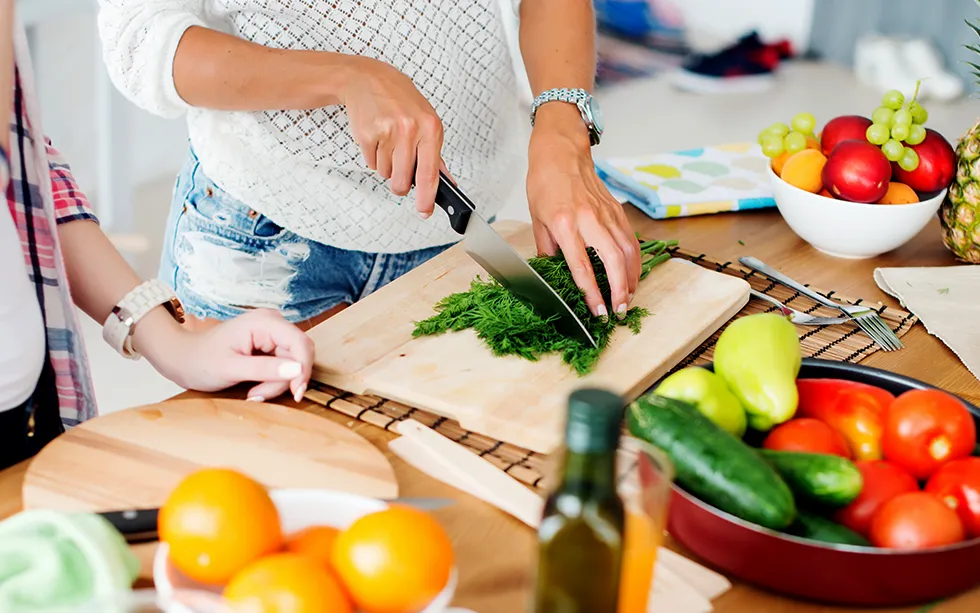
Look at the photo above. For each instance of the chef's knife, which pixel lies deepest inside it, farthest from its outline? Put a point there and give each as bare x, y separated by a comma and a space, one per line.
140, 525
498, 258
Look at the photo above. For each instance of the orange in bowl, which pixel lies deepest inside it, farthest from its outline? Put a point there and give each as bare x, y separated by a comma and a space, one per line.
899, 193
805, 170
393, 561
286, 583
216, 522
315, 542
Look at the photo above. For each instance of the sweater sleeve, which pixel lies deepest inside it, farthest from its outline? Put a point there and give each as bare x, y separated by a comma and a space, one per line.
139, 41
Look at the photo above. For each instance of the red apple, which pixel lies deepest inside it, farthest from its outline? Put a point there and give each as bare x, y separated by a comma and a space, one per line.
937, 165
857, 171
839, 129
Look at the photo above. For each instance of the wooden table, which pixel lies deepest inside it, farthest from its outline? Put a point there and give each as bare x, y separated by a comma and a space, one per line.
495, 552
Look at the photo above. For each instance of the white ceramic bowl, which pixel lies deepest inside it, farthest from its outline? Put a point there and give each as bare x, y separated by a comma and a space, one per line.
850, 229
298, 509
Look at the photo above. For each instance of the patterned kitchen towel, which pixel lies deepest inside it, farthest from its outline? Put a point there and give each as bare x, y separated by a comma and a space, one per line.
715, 179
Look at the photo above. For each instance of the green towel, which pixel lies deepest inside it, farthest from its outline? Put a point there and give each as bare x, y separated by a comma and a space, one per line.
54, 562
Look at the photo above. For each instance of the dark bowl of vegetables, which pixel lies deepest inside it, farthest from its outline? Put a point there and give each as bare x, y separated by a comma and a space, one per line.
868, 496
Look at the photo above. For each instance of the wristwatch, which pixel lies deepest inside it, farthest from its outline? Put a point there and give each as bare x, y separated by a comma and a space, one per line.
118, 327
587, 106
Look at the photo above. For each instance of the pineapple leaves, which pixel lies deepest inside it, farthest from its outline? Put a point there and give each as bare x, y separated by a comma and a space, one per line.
509, 327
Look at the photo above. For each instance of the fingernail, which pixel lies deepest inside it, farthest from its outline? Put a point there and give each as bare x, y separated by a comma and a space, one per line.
602, 310
621, 311
255, 399
299, 393
631, 297
425, 216
290, 370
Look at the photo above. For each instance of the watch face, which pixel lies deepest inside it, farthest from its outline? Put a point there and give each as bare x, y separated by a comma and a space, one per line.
596, 113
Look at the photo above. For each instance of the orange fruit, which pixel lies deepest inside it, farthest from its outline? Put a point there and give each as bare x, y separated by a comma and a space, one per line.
812, 143
286, 583
899, 193
779, 161
393, 561
314, 542
805, 170
217, 521
825, 193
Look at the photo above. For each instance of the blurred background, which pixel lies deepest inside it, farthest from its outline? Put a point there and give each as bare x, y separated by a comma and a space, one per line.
672, 74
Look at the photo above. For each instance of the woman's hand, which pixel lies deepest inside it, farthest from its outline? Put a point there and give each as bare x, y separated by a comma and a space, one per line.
397, 129
571, 209
259, 346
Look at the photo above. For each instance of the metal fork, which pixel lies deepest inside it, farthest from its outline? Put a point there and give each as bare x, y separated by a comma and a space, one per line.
799, 317
866, 318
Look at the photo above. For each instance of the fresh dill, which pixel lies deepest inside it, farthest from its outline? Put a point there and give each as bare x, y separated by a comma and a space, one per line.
509, 327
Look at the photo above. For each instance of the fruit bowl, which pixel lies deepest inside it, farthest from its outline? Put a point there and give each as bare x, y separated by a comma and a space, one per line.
298, 509
851, 230
839, 574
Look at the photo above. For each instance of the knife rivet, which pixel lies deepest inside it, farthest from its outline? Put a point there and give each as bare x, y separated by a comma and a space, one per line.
129, 515
451, 210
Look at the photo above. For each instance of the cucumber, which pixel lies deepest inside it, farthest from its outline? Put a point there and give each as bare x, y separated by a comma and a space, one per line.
711, 463
826, 479
816, 528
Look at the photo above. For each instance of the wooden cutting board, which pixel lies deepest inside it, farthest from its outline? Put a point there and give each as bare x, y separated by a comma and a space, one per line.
134, 458
369, 348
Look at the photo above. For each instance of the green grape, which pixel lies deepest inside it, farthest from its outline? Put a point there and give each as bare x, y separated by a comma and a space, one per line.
794, 142
883, 116
761, 138
919, 113
878, 134
917, 134
893, 150
804, 123
909, 160
902, 117
772, 145
779, 129
900, 132
893, 99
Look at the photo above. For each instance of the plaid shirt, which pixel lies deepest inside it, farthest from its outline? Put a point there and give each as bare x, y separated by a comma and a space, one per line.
42, 193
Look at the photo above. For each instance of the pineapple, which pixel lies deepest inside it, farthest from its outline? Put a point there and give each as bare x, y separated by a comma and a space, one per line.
960, 213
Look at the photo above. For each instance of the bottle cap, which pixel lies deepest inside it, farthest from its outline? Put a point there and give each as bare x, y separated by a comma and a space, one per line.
595, 419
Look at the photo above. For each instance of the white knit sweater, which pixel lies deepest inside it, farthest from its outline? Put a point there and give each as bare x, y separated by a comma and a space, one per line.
302, 169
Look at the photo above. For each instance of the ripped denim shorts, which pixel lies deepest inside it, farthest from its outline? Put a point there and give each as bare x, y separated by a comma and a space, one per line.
222, 259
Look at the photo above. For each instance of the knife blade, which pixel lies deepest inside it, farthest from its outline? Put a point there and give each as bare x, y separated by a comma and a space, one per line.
140, 525
498, 258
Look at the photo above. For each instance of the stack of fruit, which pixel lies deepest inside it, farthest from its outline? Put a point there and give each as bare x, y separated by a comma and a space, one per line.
223, 530
830, 460
891, 158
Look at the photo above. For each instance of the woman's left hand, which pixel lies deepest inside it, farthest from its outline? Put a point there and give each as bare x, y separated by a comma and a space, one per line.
258, 346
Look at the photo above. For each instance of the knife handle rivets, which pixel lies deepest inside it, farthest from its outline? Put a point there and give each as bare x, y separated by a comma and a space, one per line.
451, 209
129, 515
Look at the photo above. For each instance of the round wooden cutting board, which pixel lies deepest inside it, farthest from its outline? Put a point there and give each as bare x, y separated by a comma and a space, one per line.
134, 458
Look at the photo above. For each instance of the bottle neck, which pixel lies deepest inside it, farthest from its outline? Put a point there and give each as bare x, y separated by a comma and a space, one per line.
589, 475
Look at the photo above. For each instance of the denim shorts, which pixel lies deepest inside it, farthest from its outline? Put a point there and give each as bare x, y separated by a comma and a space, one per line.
222, 258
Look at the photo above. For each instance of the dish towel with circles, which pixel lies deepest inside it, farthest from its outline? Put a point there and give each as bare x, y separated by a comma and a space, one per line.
717, 179
942, 297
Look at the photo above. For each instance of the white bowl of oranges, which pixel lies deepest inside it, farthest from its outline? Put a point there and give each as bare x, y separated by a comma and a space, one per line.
862, 186
299, 551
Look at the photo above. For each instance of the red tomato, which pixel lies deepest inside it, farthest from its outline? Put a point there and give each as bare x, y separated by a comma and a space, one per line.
807, 435
856, 410
924, 429
918, 520
882, 482
958, 485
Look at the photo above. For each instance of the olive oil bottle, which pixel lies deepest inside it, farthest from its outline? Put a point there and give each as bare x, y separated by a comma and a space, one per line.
580, 540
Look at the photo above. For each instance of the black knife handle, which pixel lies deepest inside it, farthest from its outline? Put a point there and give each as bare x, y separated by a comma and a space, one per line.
455, 203
137, 525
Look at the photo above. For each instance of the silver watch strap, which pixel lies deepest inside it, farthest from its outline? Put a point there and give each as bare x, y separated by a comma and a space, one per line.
574, 96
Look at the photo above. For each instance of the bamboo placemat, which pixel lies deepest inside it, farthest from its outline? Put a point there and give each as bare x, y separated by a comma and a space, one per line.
842, 343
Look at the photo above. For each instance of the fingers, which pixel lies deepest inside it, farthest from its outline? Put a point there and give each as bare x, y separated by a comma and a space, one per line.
613, 259
267, 391
403, 159
427, 171
573, 247
542, 239
268, 332
630, 246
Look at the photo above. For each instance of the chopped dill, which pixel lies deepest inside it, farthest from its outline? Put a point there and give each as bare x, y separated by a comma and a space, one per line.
509, 327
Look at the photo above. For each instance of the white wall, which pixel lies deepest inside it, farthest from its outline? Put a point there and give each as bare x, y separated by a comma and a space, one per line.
66, 64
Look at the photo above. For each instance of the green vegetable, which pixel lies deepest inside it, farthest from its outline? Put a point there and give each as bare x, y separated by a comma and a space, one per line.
709, 393
814, 527
827, 479
759, 357
712, 464
510, 327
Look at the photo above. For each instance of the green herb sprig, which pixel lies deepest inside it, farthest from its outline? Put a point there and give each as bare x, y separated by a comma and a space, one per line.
509, 327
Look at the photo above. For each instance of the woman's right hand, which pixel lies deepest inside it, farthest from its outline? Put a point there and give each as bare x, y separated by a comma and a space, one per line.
397, 129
